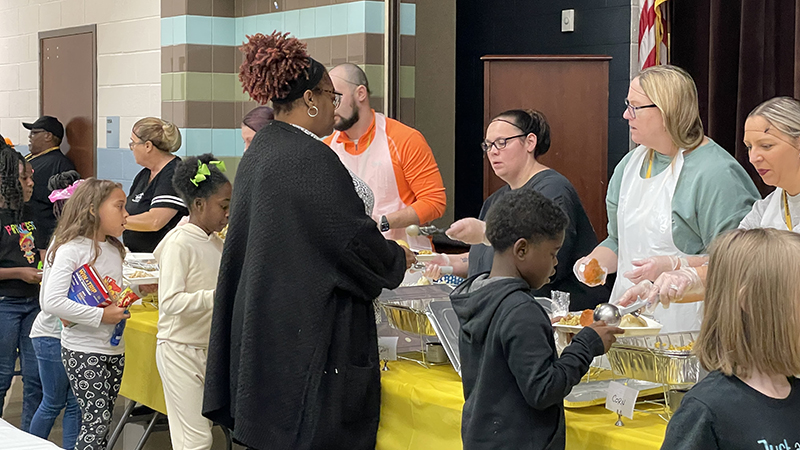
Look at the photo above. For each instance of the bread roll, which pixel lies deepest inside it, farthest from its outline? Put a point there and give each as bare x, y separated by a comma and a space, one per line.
631, 321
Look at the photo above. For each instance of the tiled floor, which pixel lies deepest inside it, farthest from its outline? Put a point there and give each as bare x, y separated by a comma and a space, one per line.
129, 439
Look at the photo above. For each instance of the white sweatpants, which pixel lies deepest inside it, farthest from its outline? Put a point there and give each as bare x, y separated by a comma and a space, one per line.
182, 369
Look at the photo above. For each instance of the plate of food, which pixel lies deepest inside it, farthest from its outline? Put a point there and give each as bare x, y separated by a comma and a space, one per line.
424, 256
137, 276
140, 268
633, 325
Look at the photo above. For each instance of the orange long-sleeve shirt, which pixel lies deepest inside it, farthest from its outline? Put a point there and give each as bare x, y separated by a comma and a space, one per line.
419, 182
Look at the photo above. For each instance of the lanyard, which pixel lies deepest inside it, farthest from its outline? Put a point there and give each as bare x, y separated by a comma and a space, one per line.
650, 165
786, 216
29, 156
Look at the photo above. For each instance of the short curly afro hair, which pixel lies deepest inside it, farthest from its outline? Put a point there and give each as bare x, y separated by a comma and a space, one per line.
186, 171
270, 63
523, 214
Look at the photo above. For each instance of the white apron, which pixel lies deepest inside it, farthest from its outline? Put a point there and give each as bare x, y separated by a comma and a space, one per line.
773, 216
644, 226
374, 166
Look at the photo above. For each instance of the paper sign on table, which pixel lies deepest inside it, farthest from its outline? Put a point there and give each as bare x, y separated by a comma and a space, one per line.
621, 399
387, 348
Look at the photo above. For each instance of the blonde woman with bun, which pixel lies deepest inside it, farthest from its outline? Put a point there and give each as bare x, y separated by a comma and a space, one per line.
153, 205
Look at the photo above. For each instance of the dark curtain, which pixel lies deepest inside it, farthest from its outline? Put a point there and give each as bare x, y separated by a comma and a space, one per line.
740, 53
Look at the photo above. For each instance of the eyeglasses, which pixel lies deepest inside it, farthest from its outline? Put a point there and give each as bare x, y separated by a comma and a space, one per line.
499, 143
35, 132
134, 144
337, 97
632, 109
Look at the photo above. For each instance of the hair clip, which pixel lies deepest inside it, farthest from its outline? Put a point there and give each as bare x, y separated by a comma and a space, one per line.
64, 194
204, 172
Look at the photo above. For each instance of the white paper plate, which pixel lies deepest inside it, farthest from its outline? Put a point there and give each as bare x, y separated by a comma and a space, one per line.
653, 328
128, 271
426, 257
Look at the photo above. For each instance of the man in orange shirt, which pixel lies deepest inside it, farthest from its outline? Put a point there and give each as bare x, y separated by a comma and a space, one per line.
392, 158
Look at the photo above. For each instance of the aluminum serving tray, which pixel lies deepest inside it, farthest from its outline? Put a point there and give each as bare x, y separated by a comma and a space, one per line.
405, 307
648, 358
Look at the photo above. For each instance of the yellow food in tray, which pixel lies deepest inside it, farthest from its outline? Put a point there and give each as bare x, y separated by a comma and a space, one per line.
424, 252
664, 346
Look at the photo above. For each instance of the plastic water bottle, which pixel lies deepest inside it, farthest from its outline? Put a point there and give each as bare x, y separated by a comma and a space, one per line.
118, 330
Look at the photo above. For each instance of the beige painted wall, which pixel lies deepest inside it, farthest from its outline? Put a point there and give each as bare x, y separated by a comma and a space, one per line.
435, 90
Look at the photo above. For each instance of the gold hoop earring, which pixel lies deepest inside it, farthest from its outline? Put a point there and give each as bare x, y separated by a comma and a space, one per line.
316, 111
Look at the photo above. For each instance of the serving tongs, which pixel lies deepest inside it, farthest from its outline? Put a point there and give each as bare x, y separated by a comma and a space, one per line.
416, 230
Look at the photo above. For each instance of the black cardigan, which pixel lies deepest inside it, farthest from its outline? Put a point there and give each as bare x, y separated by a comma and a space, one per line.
292, 358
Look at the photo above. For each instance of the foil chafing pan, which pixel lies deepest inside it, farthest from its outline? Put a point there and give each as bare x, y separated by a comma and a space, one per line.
648, 358
405, 307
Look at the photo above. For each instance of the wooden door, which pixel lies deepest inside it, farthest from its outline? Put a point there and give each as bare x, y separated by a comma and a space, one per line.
68, 91
572, 92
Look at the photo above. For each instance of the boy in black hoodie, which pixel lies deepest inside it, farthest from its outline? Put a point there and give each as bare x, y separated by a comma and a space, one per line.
514, 381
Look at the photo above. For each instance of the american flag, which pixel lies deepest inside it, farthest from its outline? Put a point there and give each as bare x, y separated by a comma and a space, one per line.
652, 34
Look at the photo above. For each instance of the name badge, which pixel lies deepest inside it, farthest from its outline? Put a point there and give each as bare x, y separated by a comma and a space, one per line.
621, 399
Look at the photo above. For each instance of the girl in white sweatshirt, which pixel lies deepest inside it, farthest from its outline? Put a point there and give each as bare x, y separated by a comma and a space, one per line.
85, 234
189, 258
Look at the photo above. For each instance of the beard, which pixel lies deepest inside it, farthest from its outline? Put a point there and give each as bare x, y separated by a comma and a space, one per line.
344, 124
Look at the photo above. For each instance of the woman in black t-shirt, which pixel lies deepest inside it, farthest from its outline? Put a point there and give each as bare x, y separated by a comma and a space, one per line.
153, 205
515, 140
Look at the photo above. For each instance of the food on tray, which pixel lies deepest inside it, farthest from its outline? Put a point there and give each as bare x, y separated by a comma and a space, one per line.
222, 234
424, 252
587, 317
593, 273
570, 319
664, 346
423, 281
631, 321
403, 243
139, 274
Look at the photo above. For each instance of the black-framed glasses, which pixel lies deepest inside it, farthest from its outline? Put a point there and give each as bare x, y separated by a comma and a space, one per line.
632, 109
35, 132
499, 143
337, 97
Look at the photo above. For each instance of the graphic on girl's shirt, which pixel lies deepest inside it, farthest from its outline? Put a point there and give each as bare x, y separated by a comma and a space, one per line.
26, 240
26, 245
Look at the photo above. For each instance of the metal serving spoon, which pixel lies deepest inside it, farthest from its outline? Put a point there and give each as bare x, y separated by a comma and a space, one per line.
612, 314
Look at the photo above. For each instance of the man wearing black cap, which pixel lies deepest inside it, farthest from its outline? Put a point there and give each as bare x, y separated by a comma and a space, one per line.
46, 158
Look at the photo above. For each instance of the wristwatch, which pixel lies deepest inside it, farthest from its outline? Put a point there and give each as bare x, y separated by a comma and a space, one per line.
384, 224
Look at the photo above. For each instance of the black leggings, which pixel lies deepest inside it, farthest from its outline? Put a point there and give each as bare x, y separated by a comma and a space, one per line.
95, 381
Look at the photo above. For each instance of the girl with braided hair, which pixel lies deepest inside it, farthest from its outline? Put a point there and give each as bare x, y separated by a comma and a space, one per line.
19, 281
293, 355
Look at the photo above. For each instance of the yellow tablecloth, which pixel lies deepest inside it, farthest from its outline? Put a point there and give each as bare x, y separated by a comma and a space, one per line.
140, 379
420, 409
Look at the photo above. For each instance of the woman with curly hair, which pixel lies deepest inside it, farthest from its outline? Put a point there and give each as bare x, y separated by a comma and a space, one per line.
293, 357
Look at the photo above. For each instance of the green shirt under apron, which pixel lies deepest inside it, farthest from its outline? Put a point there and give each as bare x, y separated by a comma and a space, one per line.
712, 196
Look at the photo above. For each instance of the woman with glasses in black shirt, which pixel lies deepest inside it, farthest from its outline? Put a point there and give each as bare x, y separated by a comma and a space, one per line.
153, 205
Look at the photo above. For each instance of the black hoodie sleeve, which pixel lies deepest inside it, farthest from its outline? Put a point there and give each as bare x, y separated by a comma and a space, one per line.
527, 339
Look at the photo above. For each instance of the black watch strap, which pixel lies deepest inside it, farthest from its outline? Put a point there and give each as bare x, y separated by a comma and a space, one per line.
384, 224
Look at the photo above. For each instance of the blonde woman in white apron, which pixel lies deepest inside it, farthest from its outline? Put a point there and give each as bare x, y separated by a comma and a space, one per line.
772, 137
670, 196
